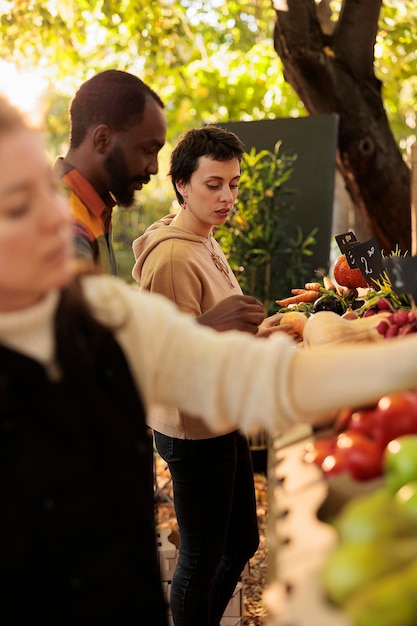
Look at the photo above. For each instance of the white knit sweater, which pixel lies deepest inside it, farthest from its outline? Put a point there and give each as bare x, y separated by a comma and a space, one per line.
229, 379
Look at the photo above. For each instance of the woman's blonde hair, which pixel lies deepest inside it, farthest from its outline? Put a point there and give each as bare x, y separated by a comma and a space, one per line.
10, 117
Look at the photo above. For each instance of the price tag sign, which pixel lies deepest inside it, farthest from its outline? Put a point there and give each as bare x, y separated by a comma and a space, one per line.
345, 240
351, 259
402, 272
368, 259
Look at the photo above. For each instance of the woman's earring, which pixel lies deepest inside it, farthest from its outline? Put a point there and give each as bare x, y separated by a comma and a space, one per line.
184, 204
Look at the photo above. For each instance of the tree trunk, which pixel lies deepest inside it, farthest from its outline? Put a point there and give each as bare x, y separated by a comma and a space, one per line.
331, 67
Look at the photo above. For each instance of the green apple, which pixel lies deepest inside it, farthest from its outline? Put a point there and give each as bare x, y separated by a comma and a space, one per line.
352, 565
389, 600
400, 462
407, 497
374, 515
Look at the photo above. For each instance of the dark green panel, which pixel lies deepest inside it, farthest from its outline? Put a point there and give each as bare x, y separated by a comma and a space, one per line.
314, 140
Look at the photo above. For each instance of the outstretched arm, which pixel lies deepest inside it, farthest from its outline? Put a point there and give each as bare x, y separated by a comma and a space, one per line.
325, 379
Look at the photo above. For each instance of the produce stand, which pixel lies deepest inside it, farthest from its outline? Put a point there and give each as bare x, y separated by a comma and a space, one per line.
367, 450
298, 541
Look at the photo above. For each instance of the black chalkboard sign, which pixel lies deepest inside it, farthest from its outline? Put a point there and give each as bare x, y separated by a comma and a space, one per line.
402, 272
368, 258
345, 241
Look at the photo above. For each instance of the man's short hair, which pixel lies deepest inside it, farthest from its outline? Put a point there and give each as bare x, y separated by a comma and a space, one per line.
111, 97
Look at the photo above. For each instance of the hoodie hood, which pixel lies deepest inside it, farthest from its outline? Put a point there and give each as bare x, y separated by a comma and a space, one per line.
162, 230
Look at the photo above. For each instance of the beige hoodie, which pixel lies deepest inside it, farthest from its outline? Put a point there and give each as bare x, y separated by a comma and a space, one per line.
180, 265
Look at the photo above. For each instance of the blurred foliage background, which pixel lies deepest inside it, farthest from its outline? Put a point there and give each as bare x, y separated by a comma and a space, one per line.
209, 60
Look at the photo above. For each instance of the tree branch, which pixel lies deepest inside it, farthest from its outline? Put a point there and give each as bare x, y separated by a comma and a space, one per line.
335, 74
355, 34
300, 26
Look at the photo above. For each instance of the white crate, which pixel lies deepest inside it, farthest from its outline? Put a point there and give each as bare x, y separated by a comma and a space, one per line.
168, 554
165, 547
166, 588
246, 570
231, 621
235, 606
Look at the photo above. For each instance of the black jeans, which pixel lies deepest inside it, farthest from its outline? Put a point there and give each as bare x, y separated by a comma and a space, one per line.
215, 505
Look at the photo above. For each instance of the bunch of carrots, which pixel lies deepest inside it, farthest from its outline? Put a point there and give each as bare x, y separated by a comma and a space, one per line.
312, 291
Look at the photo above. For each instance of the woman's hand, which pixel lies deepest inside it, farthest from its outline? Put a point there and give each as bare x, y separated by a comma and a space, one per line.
238, 312
271, 325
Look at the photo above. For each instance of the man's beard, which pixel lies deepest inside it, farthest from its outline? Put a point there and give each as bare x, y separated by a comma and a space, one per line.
120, 182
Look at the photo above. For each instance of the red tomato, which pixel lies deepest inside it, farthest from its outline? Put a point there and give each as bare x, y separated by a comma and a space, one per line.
395, 415
316, 451
363, 421
362, 455
333, 464
336, 460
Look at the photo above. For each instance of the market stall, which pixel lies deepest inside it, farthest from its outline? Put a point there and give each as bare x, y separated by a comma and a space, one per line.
317, 478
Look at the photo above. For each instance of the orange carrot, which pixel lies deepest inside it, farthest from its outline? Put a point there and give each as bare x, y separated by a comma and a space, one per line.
328, 284
307, 296
313, 286
297, 292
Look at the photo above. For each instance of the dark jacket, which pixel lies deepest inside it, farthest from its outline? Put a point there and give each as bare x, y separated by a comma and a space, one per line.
77, 542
